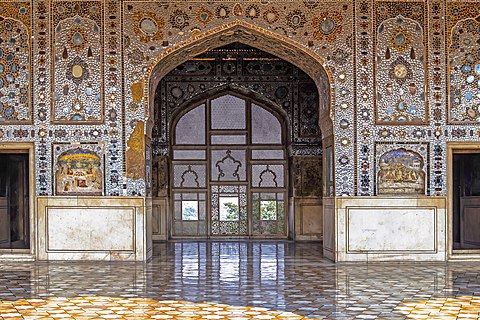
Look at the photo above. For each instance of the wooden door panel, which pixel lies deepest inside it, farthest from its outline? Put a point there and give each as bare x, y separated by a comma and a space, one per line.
470, 220
4, 221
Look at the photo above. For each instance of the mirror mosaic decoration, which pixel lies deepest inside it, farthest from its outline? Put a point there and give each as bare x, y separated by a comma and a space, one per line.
15, 73
77, 50
400, 66
316, 35
464, 81
422, 30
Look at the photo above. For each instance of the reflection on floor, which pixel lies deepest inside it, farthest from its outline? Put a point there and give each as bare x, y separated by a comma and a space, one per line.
239, 280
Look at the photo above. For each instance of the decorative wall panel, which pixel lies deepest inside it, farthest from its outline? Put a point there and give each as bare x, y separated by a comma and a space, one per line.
400, 168
286, 29
113, 98
41, 96
400, 63
438, 96
307, 176
309, 34
464, 63
135, 155
160, 177
401, 172
15, 67
77, 50
78, 168
432, 127
364, 98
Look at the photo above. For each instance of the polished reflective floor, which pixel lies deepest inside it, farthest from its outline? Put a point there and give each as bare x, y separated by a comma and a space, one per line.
239, 280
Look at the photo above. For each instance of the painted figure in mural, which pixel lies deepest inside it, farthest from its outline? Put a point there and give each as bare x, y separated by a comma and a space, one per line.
79, 173
401, 172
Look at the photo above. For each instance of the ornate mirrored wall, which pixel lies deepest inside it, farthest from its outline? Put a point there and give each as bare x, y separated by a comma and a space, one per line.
78, 71
228, 121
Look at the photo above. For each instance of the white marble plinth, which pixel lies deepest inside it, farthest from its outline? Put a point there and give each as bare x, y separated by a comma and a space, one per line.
308, 219
329, 228
389, 229
93, 228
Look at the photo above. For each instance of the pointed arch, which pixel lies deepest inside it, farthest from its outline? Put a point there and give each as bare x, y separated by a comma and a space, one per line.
241, 92
307, 60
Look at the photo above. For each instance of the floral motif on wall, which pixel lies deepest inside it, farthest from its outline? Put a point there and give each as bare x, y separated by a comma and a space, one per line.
79, 172
465, 72
401, 171
15, 106
204, 15
135, 153
327, 26
307, 176
147, 26
400, 72
77, 50
295, 19
179, 19
271, 15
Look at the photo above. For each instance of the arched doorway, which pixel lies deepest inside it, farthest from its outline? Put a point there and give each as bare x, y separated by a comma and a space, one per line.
228, 170
265, 131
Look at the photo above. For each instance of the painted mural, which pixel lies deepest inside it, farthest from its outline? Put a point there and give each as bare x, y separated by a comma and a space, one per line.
307, 176
79, 172
135, 155
401, 172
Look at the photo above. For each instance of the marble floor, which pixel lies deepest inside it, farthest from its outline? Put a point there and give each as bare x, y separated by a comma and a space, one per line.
239, 280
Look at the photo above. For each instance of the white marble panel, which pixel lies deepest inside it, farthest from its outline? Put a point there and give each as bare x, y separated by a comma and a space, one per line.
90, 229
308, 219
391, 229
329, 228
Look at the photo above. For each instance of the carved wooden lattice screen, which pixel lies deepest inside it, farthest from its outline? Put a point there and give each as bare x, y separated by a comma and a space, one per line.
229, 170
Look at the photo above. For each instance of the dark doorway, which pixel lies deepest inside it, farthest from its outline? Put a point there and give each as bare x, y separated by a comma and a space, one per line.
14, 201
466, 201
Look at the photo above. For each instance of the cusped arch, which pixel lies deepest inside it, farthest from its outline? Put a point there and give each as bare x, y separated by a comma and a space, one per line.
307, 60
236, 91
239, 91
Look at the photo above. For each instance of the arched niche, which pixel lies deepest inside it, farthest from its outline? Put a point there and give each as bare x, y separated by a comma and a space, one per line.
283, 48
280, 46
